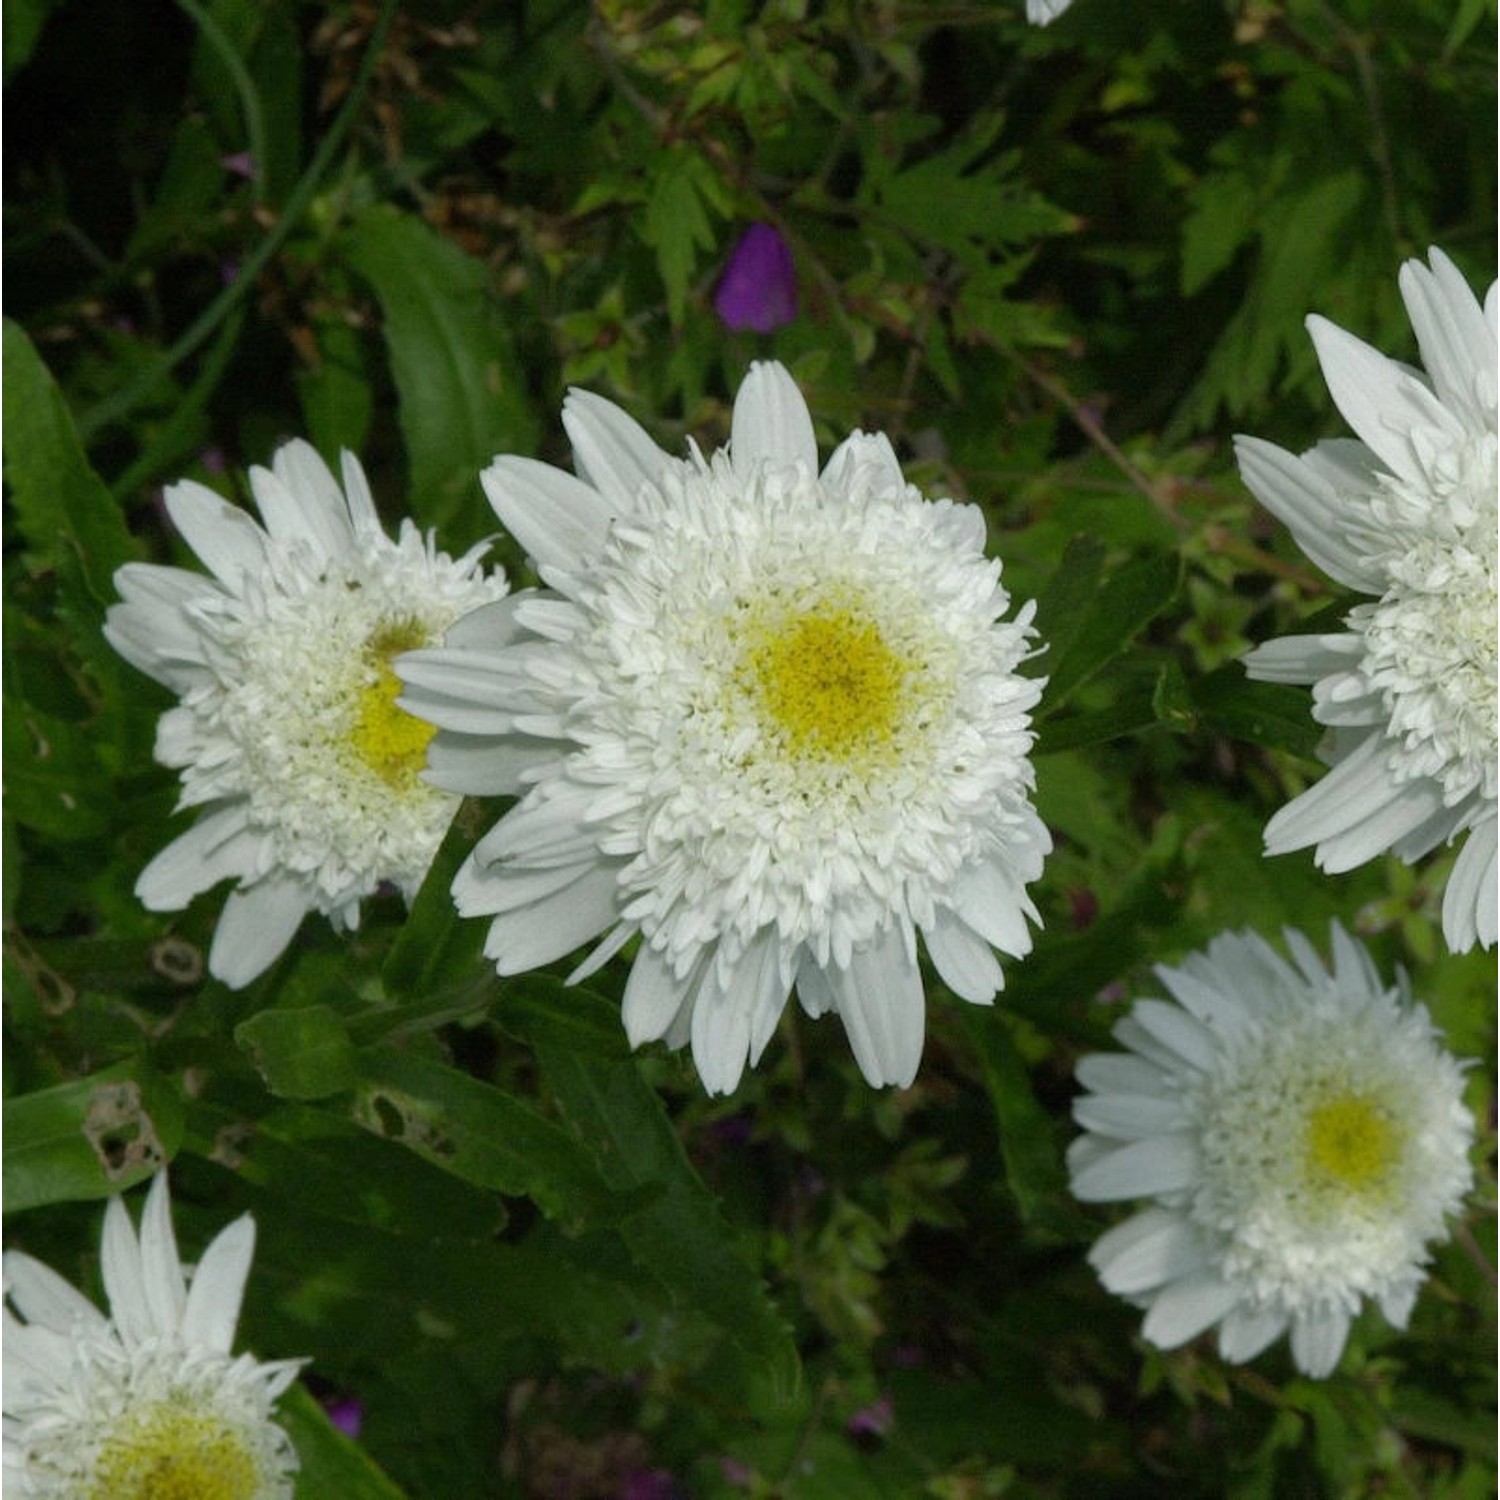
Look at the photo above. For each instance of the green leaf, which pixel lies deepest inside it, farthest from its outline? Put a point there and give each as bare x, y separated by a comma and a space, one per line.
90, 1137
1273, 714
461, 387
676, 224
478, 1132
680, 1235
1104, 626
63, 511
436, 949
330, 1462
23, 24
302, 1053
1028, 1138
52, 771
1063, 605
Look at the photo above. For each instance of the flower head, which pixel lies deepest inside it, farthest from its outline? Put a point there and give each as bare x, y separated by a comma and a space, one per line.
1407, 516
759, 287
1301, 1137
766, 718
148, 1403
287, 734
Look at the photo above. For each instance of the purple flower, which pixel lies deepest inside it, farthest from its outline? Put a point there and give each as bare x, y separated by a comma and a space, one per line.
759, 286
346, 1414
874, 1420
241, 163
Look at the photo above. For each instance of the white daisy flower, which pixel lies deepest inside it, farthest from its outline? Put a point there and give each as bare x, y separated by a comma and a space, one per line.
1408, 516
767, 718
1301, 1135
147, 1403
288, 735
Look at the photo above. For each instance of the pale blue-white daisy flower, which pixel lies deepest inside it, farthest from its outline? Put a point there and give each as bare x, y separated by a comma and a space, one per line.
149, 1401
766, 718
1298, 1135
1407, 516
287, 734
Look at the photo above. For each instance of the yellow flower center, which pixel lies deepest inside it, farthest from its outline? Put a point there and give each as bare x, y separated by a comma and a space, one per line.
827, 680
1351, 1141
387, 739
169, 1453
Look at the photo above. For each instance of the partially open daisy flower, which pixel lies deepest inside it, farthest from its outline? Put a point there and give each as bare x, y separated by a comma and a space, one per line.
148, 1403
1300, 1137
1407, 516
288, 735
765, 717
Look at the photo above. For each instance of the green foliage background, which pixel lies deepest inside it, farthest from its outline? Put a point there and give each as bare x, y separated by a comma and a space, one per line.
1059, 268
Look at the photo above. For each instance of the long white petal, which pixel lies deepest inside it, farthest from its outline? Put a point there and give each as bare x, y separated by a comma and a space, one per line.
1457, 341
228, 541
44, 1298
880, 1000
559, 520
255, 929
1146, 1251
1318, 1342
771, 422
1185, 1308
161, 1269
966, 962
217, 847
1165, 1164
120, 1268
1469, 903
554, 925
218, 1287
611, 450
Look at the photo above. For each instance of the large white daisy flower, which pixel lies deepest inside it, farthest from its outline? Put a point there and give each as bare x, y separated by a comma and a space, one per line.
1300, 1134
288, 735
1408, 516
767, 718
148, 1403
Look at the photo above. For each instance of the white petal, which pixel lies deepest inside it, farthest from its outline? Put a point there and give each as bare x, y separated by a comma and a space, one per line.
150, 628
1185, 1308
1381, 400
479, 765
1128, 1116
1301, 497
228, 541
1176, 1030
1146, 1251
1318, 1342
489, 627
257, 925
866, 458
1163, 1164
653, 996
161, 1269
1245, 1333
44, 1298
217, 847
880, 1000
1469, 903
213, 1302
1456, 339
1396, 1304
361, 503
558, 520
1301, 659
990, 897
554, 925
120, 1267
771, 423
735, 1011
966, 962
1117, 1073
611, 450
299, 499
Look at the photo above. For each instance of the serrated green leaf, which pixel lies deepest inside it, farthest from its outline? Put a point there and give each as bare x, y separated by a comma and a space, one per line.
461, 387
63, 510
676, 222
89, 1138
52, 772
1063, 606
302, 1053
478, 1132
679, 1235
1107, 622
